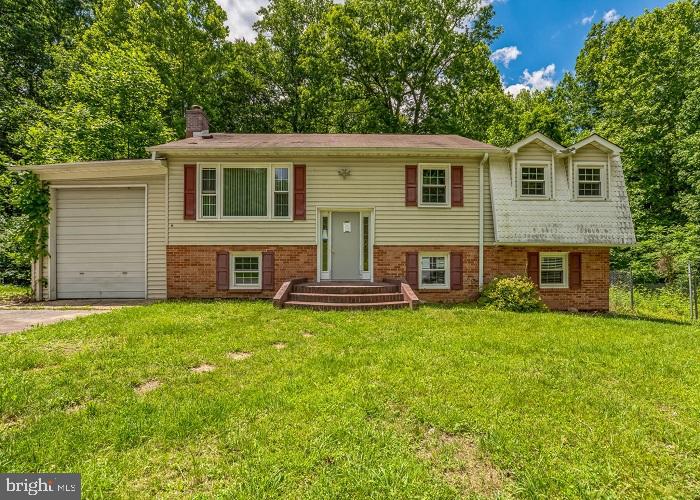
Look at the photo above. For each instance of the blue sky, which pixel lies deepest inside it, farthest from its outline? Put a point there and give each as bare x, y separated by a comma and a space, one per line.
545, 36
540, 40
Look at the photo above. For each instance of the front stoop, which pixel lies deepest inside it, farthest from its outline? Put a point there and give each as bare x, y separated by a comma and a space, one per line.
327, 296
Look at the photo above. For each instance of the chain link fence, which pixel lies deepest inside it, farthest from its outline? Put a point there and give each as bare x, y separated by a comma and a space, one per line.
669, 301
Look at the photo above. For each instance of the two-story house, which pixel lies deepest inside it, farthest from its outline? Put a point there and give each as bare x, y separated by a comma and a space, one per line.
239, 215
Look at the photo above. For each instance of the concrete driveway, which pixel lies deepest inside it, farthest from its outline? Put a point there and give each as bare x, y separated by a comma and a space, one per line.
14, 320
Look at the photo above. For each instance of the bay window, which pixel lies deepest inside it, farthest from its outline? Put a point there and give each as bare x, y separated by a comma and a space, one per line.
242, 191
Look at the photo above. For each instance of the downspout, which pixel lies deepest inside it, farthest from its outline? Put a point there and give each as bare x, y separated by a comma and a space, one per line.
481, 220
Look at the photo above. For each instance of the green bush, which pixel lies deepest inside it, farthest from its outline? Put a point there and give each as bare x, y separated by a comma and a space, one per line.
515, 293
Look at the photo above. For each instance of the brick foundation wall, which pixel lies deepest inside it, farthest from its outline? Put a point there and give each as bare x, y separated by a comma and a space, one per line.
192, 269
390, 262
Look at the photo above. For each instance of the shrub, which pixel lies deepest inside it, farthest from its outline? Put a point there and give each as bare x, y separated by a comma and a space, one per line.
515, 293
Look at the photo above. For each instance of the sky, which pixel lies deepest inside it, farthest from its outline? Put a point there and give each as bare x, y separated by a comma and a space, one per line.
540, 40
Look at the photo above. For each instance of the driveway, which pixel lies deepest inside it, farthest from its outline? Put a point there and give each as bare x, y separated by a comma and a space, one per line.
14, 320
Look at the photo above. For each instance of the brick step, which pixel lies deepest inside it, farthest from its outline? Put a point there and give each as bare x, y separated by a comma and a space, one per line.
345, 289
321, 306
350, 298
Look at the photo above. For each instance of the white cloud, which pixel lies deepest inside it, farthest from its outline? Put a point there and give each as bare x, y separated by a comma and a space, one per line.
588, 19
611, 16
537, 80
241, 16
505, 55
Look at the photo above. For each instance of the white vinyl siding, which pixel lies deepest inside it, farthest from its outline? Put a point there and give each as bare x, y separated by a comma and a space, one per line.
100, 243
373, 183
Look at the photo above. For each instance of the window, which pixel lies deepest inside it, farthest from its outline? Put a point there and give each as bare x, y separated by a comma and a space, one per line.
281, 192
589, 180
433, 271
433, 185
244, 192
208, 196
554, 270
245, 270
365, 243
228, 191
324, 243
532, 181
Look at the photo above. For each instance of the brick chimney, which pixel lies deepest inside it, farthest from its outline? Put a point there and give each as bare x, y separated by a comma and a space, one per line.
197, 123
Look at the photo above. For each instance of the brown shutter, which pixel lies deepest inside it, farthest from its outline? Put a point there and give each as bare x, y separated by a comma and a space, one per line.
533, 267
299, 192
456, 271
222, 270
457, 181
190, 192
411, 185
268, 270
575, 270
412, 269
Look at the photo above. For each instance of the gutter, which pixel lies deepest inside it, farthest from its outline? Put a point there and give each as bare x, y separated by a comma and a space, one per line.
481, 220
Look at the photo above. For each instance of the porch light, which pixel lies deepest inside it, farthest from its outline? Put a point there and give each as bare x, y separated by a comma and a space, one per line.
324, 234
344, 172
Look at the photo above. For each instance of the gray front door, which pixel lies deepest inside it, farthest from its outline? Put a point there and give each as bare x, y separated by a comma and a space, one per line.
345, 246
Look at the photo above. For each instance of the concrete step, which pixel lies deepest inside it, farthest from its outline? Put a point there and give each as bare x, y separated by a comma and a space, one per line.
326, 306
339, 298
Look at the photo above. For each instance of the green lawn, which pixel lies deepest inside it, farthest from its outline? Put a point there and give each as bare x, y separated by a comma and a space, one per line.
440, 402
14, 292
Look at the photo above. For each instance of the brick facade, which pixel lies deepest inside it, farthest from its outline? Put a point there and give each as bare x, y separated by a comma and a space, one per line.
390, 262
192, 268
192, 271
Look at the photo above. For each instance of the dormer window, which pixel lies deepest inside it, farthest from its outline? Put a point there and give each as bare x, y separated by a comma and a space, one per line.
590, 181
533, 180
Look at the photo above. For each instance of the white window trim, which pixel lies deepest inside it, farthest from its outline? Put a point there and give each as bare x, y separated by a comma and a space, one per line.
270, 190
602, 166
565, 265
547, 180
232, 273
448, 184
422, 286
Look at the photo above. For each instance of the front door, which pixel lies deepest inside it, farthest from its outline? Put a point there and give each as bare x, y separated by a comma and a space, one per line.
345, 246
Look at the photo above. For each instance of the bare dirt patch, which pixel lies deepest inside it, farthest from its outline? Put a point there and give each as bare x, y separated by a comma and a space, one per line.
307, 335
239, 355
459, 461
148, 386
279, 345
205, 368
75, 408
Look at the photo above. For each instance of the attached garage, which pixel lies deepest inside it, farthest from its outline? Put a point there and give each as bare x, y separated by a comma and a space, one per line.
99, 242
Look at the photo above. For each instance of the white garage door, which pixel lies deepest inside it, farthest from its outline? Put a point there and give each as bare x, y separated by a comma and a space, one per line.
100, 243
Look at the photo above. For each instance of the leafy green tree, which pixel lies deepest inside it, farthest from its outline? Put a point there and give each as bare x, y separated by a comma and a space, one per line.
115, 109
404, 59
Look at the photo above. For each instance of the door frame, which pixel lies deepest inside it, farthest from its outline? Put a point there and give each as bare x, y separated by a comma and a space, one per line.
53, 221
327, 212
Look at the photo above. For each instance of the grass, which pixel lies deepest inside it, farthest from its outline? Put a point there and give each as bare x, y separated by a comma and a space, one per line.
665, 303
14, 292
438, 403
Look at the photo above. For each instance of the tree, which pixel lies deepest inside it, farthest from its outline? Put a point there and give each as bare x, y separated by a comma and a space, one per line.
405, 60
115, 109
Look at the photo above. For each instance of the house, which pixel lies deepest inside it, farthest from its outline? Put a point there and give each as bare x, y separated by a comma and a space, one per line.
253, 215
